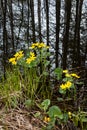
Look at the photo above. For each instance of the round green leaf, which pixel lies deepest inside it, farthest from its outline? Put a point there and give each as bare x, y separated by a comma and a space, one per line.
55, 111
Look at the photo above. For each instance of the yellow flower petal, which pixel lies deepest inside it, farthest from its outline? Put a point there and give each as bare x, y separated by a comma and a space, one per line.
11, 59
75, 75
46, 119
67, 75
62, 86
70, 114
65, 71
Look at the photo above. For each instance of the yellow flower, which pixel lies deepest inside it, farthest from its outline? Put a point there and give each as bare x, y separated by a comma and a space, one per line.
31, 58
38, 45
41, 45
65, 86
68, 84
75, 75
65, 71
19, 55
62, 86
32, 54
13, 61
16, 57
34, 45
69, 114
67, 75
28, 60
46, 119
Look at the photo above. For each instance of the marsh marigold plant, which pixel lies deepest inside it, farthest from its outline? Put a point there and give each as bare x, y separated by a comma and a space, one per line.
68, 81
66, 85
16, 57
31, 58
33, 65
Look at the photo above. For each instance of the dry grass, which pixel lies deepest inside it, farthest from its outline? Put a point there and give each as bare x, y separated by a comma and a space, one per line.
18, 119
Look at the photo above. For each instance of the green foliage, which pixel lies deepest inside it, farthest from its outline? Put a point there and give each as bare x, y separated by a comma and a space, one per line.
45, 104
54, 111
28, 103
50, 114
34, 75
58, 73
10, 89
68, 82
79, 118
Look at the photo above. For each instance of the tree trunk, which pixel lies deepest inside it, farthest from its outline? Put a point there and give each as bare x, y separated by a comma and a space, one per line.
78, 33
11, 22
5, 40
76, 47
33, 20
39, 20
58, 4
47, 21
66, 31
28, 18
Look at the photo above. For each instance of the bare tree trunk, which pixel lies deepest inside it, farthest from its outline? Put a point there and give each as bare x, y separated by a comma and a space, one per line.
28, 18
39, 19
66, 33
11, 22
0, 21
33, 20
78, 33
20, 25
5, 40
75, 35
58, 4
76, 47
47, 20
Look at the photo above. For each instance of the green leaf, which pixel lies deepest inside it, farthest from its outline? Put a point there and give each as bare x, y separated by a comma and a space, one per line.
83, 119
46, 63
76, 120
58, 72
45, 104
62, 91
37, 114
79, 83
64, 79
55, 111
28, 103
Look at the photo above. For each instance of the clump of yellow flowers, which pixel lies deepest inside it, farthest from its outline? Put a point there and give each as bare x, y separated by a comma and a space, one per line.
68, 83
70, 75
39, 45
16, 57
31, 58
65, 86
19, 55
